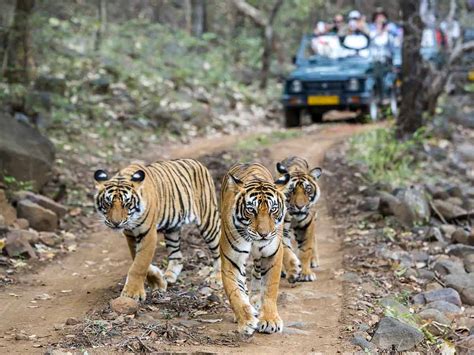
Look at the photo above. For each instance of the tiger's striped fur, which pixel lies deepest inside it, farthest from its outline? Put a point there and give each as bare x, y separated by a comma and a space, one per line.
144, 200
253, 210
301, 197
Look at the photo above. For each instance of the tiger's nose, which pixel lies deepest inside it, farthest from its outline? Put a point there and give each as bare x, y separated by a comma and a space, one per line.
116, 224
263, 234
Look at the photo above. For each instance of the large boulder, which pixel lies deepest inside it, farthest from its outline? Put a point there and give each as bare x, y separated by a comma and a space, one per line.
393, 334
40, 218
43, 201
18, 243
24, 153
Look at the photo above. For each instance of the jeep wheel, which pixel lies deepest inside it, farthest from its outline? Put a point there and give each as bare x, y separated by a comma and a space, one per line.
292, 117
317, 117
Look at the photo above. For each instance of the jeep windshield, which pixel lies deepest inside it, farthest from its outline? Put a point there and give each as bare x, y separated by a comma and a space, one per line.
330, 47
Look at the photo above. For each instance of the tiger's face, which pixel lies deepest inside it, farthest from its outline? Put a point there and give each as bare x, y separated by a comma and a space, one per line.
119, 200
260, 209
303, 191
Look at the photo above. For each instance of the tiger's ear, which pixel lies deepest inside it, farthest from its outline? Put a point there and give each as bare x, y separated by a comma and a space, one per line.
281, 168
316, 173
282, 182
235, 182
138, 176
100, 176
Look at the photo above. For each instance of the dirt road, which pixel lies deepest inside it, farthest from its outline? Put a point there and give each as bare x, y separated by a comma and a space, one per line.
89, 278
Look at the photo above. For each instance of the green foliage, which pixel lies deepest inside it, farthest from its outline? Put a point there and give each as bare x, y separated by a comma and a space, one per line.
385, 157
13, 184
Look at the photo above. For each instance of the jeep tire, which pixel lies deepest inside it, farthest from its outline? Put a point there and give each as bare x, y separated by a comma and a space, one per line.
317, 117
292, 117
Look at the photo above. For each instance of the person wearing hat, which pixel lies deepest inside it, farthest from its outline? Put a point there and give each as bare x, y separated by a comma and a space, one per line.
356, 23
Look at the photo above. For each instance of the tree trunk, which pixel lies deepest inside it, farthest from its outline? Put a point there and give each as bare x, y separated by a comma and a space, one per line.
102, 10
20, 65
266, 23
198, 17
411, 110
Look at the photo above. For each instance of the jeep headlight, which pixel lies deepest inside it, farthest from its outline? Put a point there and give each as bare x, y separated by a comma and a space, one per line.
353, 84
296, 86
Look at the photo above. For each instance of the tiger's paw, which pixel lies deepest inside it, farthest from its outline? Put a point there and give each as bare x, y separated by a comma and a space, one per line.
248, 327
247, 323
173, 271
135, 291
307, 276
155, 279
270, 325
293, 278
314, 263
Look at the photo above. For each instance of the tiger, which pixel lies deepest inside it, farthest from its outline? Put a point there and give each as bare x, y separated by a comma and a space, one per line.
143, 201
252, 211
301, 197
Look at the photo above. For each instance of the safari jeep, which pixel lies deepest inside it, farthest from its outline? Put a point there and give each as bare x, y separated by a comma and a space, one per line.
333, 74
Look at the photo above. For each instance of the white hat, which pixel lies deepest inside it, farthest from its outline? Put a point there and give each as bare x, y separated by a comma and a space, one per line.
354, 14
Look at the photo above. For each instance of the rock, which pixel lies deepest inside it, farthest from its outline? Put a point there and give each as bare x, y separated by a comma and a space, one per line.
391, 334
461, 236
448, 210
370, 204
18, 244
365, 345
43, 201
24, 153
72, 321
433, 314
455, 191
415, 198
391, 206
394, 306
7, 210
21, 336
445, 294
2, 222
469, 263
455, 201
49, 238
445, 267
460, 250
434, 234
39, 217
124, 305
466, 151
466, 345
22, 223
448, 309
464, 284
448, 229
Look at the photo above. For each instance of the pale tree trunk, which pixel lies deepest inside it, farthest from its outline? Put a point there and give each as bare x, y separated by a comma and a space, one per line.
411, 110
19, 64
198, 17
188, 9
266, 24
102, 14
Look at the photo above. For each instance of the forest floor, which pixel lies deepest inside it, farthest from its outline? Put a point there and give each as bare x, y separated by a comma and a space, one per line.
65, 304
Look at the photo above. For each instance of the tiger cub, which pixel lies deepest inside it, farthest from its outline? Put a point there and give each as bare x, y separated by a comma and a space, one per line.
302, 194
253, 210
144, 200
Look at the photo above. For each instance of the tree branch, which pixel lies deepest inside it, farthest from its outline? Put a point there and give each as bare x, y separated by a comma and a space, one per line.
459, 50
252, 13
